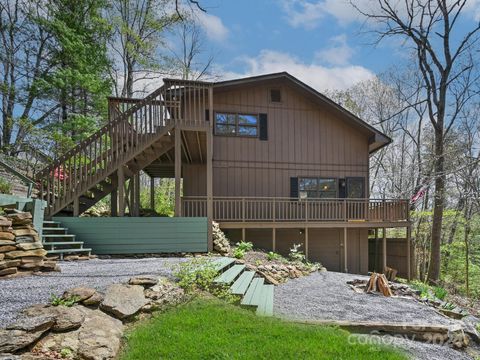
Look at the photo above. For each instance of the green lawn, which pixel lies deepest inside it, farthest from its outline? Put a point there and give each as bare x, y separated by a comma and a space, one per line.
211, 329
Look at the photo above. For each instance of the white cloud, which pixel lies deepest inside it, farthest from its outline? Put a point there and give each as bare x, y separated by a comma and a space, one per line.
308, 13
338, 54
318, 76
213, 26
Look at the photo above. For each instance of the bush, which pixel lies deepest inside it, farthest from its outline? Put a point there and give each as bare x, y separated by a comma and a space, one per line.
199, 275
5, 187
239, 253
296, 254
440, 292
60, 301
245, 246
273, 256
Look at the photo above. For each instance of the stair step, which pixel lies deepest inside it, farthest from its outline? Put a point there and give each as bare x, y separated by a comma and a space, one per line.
50, 222
265, 306
222, 263
54, 228
240, 286
68, 251
253, 295
56, 243
230, 275
58, 236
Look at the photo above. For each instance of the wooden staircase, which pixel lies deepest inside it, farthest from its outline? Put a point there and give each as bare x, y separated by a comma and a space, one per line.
253, 291
133, 138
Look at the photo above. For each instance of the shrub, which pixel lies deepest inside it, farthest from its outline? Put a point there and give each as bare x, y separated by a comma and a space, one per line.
5, 187
239, 253
273, 256
60, 301
296, 254
245, 246
440, 292
199, 274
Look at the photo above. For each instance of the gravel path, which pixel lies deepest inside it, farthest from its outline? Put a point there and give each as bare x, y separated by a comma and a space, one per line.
19, 293
327, 296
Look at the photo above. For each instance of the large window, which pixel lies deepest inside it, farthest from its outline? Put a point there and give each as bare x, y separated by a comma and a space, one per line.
236, 124
312, 187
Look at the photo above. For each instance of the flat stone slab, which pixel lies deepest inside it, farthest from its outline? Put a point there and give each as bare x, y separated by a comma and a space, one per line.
145, 281
82, 293
14, 340
97, 339
123, 301
33, 324
66, 318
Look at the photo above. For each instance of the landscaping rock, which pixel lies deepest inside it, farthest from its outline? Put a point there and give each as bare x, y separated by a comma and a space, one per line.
220, 241
7, 248
19, 254
4, 222
8, 271
82, 293
165, 293
145, 281
123, 301
97, 339
66, 318
93, 300
10, 357
7, 235
33, 324
30, 246
14, 340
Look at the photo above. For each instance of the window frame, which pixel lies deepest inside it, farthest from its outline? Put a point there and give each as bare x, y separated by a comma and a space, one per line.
237, 125
317, 178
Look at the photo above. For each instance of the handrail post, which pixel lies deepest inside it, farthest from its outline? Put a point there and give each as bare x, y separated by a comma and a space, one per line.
306, 210
274, 210
345, 210
243, 209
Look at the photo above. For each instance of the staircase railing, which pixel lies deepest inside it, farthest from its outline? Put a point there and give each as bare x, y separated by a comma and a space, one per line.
127, 133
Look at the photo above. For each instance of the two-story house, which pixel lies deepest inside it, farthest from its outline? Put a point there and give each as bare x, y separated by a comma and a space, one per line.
269, 158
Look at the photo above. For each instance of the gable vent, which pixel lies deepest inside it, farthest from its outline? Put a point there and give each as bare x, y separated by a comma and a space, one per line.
275, 95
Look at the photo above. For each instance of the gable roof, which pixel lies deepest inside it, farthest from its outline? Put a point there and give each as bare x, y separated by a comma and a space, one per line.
377, 139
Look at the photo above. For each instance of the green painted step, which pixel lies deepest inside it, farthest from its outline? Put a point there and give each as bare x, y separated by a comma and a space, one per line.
58, 235
50, 222
252, 297
240, 286
222, 263
230, 275
68, 251
54, 243
265, 306
55, 228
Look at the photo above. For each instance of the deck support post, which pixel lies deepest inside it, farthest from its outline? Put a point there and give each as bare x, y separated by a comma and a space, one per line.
384, 250
136, 195
114, 197
306, 243
345, 250
76, 206
376, 250
178, 170
409, 261
209, 175
152, 193
243, 234
274, 239
121, 191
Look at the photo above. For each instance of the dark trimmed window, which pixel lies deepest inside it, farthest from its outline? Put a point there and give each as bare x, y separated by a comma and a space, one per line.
236, 124
313, 188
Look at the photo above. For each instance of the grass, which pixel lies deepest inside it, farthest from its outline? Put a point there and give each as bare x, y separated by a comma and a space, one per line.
212, 329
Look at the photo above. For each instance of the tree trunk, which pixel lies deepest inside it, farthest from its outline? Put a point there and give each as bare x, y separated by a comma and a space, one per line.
439, 195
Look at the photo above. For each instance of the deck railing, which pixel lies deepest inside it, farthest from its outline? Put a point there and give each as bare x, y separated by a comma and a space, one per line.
248, 209
131, 127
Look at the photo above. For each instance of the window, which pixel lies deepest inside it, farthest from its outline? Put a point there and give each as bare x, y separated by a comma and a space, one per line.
355, 187
275, 95
312, 187
236, 124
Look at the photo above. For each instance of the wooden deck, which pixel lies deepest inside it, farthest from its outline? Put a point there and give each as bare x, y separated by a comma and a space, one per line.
287, 212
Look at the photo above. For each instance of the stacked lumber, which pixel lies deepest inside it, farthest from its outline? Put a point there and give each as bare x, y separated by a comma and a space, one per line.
20, 247
378, 283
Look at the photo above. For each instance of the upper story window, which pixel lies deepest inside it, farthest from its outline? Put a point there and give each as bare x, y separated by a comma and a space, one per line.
236, 124
313, 187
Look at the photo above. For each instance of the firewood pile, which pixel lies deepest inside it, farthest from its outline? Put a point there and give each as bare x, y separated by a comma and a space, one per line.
378, 283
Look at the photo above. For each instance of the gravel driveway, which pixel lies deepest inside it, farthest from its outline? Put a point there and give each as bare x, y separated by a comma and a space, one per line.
327, 296
21, 292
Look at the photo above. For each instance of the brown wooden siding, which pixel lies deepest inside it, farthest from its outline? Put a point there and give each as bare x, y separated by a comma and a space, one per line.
303, 140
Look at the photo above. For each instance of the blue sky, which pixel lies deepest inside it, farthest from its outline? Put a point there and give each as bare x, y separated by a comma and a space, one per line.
323, 42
